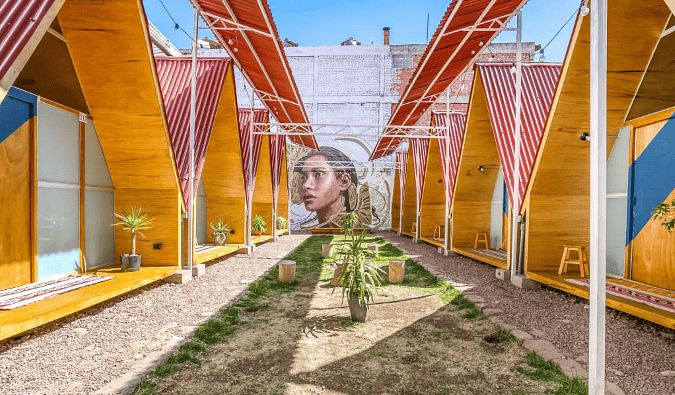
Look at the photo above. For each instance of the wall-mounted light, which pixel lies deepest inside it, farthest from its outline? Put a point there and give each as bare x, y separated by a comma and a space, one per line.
584, 10
480, 44
585, 136
229, 41
481, 168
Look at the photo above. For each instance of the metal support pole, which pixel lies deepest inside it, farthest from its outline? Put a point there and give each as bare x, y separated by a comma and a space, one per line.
598, 195
251, 176
191, 177
446, 169
288, 188
516, 154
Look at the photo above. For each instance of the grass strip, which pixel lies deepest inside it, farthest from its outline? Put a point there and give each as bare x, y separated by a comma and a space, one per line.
548, 372
309, 263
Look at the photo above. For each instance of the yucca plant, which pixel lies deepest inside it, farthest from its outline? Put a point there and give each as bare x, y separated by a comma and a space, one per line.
351, 219
359, 277
134, 223
281, 222
220, 227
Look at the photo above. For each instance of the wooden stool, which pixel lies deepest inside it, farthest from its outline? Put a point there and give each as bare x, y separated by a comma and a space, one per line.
581, 259
396, 271
326, 250
481, 237
286, 271
438, 228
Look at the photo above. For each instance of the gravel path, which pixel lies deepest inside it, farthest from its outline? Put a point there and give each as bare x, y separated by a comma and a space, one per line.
82, 353
640, 355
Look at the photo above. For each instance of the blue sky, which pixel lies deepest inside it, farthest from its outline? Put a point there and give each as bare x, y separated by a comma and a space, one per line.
313, 22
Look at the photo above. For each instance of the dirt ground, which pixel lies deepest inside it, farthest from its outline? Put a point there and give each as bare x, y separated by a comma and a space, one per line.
305, 343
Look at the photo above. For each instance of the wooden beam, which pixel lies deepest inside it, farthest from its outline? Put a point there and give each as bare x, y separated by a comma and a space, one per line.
15, 69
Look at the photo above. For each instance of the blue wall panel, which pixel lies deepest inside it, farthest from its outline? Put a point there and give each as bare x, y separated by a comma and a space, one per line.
13, 111
651, 179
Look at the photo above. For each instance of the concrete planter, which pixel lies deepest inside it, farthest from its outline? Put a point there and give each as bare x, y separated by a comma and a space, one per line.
357, 310
130, 263
219, 239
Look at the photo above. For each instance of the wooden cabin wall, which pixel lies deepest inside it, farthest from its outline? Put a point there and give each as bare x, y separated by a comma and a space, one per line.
164, 205
409, 199
396, 203
471, 203
110, 47
262, 192
433, 198
17, 195
558, 209
222, 172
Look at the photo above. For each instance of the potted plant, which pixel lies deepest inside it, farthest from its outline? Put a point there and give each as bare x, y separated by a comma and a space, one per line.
259, 225
281, 222
134, 223
665, 212
359, 277
220, 232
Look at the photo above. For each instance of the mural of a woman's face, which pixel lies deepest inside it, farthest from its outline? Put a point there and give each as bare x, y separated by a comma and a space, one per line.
321, 186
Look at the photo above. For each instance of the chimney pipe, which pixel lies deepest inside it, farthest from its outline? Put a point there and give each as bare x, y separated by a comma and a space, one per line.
386, 35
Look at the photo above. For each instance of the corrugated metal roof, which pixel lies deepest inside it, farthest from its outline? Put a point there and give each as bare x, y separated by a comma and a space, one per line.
258, 51
454, 45
539, 84
175, 83
18, 21
457, 123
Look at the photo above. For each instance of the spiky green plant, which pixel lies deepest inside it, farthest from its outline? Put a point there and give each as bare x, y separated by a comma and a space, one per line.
359, 276
220, 227
134, 223
259, 224
281, 222
665, 212
350, 222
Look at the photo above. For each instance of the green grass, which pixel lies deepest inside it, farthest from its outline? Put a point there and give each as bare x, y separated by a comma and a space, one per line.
548, 372
349, 324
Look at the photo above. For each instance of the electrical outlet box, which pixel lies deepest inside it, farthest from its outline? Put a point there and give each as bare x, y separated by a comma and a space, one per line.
157, 246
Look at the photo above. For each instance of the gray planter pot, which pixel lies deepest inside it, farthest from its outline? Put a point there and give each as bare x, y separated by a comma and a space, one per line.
219, 239
357, 311
130, 263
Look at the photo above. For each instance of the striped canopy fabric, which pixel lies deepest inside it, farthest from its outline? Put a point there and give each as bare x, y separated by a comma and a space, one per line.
277, 144
454, 122
250, 147
419, 148
539, 81
174, 76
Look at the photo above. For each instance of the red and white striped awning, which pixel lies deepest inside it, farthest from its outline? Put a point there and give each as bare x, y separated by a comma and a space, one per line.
246, 30
539, 83
419, 149
467, 27
174, 74
250, 147
277, 144
455, 122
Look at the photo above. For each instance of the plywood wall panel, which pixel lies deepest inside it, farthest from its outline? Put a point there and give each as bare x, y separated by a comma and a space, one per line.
165, 207
15, 201
110, 48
